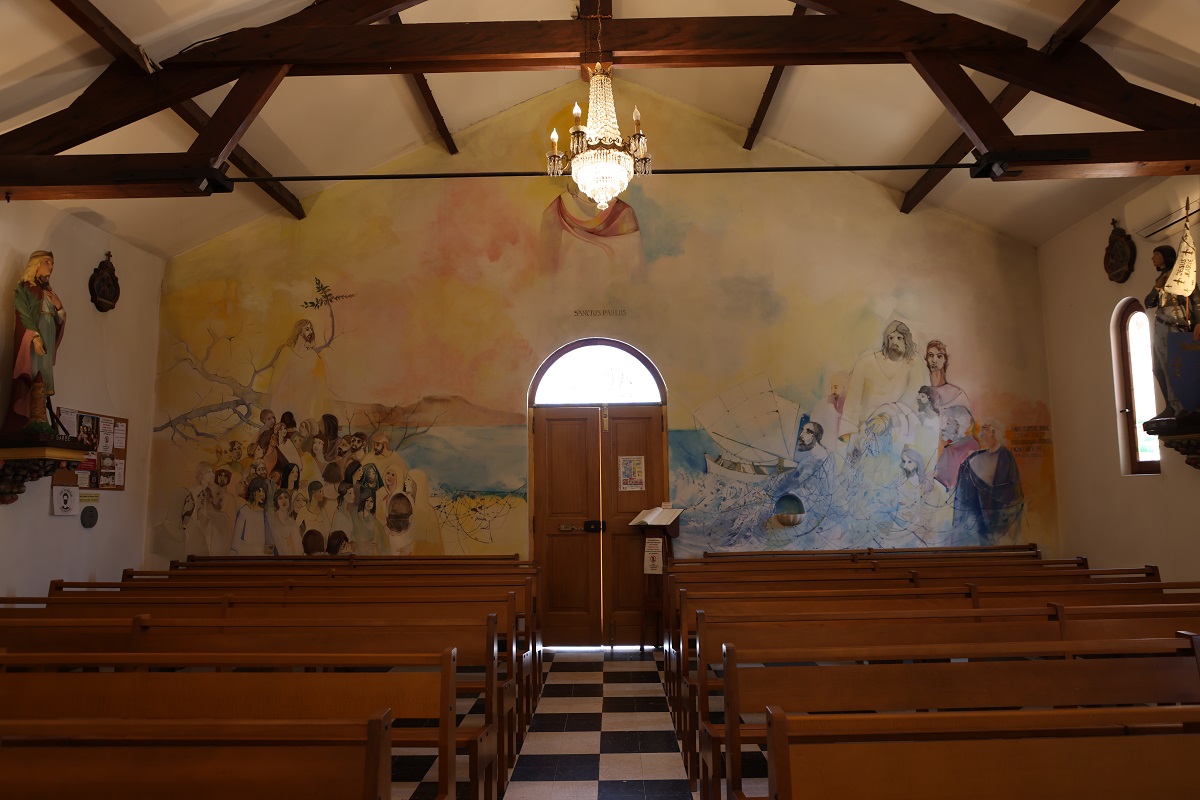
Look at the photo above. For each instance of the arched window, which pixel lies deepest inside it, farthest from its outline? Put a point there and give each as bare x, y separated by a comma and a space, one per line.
1134, 384
592, 371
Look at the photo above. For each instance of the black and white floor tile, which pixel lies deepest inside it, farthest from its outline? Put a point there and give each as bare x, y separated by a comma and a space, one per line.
601, 732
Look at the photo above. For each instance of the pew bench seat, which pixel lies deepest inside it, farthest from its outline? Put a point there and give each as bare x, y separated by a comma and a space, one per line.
1097, 753
196, 759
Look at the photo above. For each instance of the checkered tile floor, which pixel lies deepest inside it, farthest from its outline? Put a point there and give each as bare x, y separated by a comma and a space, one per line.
601, 731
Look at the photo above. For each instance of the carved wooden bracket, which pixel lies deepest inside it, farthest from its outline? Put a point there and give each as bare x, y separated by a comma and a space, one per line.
1180, 434
22, 465
1187, 445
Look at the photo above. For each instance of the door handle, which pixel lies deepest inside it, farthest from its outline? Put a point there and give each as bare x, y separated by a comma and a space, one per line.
589, 526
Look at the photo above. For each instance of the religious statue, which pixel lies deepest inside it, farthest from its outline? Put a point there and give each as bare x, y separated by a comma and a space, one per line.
1173, 313
40, 321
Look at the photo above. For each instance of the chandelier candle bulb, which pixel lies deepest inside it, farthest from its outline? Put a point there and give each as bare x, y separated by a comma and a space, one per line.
554, 159
637, 120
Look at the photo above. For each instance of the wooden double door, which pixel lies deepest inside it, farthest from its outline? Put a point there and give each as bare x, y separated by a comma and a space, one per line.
594, 469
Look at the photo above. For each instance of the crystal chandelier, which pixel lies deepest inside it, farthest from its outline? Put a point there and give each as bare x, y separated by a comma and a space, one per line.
601, 163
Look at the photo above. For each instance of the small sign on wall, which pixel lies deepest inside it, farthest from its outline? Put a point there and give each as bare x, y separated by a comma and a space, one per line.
653, 563
64, 501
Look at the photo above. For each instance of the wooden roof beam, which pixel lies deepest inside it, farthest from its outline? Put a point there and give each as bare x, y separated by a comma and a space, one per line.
764, 105
342, 12
431, 105
125, 50
861, 8
96, 25
962, 98
1121, 154
685, 41
237, 111
191, 113
91, 177
1079, 77
125, 94
1079, 24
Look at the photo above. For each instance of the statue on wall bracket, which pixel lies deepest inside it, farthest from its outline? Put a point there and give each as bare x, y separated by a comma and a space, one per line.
39, 323
1175, 339
1120, 254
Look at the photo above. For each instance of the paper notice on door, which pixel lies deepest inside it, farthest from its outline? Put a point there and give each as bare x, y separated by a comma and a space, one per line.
632, 472
653, 556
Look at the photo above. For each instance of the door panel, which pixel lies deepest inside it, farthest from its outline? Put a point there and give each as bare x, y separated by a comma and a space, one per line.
592, 584
566, 492
632, 431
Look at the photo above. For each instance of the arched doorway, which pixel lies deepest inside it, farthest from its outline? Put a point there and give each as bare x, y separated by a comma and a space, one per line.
598, 445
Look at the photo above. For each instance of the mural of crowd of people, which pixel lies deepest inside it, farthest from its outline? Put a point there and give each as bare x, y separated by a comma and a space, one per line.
901, 460
300, 488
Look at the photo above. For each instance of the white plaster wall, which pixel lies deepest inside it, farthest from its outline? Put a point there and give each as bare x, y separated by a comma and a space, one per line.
1114, 519
106, 365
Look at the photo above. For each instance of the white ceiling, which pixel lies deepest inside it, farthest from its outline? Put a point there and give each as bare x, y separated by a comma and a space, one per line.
846, 115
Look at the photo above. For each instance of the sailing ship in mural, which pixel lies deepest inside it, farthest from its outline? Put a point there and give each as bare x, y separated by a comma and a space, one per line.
754, 428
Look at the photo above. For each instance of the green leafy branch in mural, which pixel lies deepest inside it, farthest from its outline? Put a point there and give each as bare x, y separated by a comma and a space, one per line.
325, 298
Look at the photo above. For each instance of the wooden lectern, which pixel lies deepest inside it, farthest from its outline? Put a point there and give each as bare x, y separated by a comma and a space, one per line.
660, 526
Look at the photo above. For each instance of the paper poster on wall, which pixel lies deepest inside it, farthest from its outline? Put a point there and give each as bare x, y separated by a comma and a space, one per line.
69, 419
108, 437
632, 471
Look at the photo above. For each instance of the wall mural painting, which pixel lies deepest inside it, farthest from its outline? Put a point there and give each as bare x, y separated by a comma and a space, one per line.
382, 408
282, 465
894, 457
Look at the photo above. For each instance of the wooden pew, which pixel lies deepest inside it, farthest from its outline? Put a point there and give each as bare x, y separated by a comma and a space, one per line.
861, 629
422, 688
734, 600
526, 648
1029, 549
777, 578
679, 653
397, 606
475, 642
946, 677
710, 566
312, 568
196, 759
680, 679
767, 580
1099, 754
202, 560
